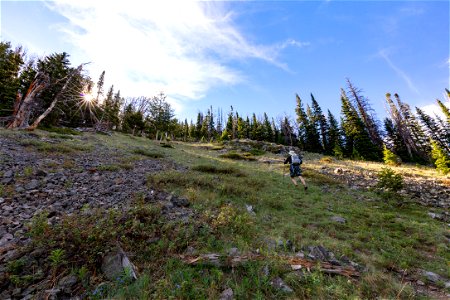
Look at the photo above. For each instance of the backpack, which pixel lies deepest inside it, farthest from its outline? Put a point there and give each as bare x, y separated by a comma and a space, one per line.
296, 160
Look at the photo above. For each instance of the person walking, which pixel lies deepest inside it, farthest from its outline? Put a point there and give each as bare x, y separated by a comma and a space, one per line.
295, 171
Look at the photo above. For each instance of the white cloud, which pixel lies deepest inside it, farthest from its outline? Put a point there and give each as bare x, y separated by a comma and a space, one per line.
183, 48
384, 54
433, 110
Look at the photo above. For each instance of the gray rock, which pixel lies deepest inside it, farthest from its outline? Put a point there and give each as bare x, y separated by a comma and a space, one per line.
8, 180
338, 219
432, 277
67, 283
227, 294
116, 263
180, 202
233, 251
8, 174
279, 284
32, 185
250, 209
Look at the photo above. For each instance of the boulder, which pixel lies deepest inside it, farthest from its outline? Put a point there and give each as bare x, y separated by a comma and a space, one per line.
116, 263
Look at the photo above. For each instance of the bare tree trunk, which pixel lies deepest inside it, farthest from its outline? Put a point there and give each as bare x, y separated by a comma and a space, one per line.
57, 98
22, 107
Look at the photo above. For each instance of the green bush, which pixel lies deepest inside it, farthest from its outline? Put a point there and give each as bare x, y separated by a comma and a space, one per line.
390, 158
390, 180
440, 158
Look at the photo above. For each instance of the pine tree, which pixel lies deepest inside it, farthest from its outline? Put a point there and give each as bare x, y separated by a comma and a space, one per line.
334, 136
366, 113
440, 157
321, 124
287, 132
358, 145
198, 126
406, 128
302, 123
445, 110
100, 82
11, 62
433, 129
267, 129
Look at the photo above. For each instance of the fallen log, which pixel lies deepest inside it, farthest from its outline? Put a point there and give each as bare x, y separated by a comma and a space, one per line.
296, 263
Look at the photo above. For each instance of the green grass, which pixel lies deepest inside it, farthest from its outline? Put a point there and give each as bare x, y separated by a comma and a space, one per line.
379, 234
148, 153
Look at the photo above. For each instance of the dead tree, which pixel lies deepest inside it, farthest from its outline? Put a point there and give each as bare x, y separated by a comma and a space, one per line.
23, 105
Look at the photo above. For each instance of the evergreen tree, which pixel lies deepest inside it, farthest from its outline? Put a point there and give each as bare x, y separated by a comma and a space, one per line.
445, 110
365, 113
198, 126
321, 124
440, 158
267, 131
433, 129
100, 82
11, 62
394, 140
358, 145
288, 135
406, 128
302, 122
334, 137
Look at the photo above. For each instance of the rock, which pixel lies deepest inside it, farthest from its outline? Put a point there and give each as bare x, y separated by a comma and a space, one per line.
227, 294
5, 239
250, 209
338, 219
233, 251
432, 277
180, 202
8, 174
420, 282
115, 263
8, 180
338, 171
279, 284
32, 185
41, 173
67, 283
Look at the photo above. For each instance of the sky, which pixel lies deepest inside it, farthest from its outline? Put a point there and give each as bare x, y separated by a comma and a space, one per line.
252, 55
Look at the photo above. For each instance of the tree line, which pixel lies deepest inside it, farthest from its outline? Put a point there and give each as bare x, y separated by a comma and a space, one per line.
411, 136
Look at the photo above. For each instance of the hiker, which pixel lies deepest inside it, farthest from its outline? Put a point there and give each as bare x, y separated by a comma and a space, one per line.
295, 161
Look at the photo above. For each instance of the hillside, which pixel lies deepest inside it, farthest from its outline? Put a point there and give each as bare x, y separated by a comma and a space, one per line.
210, 221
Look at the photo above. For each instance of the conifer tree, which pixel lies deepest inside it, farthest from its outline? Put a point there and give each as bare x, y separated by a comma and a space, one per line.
365, 113
433, 129
287, 132
358, 145
440, 158
267, 129
198, 126
11, 62
321, 124
100, 83
407, 128
334, 136
445, 110
302, 124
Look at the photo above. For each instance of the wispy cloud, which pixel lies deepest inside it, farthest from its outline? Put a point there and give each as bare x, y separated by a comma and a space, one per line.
181, 47
385, 55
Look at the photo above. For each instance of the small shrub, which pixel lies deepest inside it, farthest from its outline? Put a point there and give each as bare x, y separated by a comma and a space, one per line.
257, 152
231, 220
108, 168
390, 158
326, 159
217, 170
440, 158
61, 130
149, 153
390, 180
38, 225
166, 145
56, 258
237, 156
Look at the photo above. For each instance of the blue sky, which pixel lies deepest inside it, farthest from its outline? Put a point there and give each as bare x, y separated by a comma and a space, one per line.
253, 55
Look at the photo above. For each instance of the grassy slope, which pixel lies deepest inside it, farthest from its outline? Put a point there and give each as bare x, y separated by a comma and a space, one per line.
378, 234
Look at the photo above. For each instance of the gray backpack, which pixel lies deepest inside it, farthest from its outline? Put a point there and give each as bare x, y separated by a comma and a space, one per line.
296, 160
